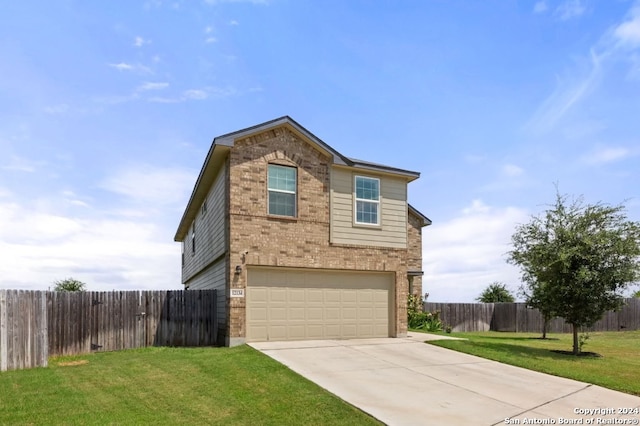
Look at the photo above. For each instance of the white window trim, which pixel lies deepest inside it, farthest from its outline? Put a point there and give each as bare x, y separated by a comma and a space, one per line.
356, 199
284, 191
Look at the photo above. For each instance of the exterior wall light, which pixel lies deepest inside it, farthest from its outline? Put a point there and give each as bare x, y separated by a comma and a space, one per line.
238, 270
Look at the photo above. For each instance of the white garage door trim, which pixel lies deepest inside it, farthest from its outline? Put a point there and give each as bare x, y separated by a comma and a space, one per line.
305, 304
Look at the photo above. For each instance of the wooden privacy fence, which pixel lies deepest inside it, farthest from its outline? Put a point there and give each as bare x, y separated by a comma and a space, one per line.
36, 324
23, 329
517, 317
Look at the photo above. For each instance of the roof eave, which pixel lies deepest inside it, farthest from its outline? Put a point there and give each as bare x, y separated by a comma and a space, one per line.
230, 138
425, 220
214, 159
410, 175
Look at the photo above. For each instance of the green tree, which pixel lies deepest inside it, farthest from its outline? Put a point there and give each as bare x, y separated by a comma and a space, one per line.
495, 292
69, 284
537, 297
636, 294
576, 259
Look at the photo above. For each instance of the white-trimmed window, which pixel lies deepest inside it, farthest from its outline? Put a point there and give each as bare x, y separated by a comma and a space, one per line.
367, 209
282, 190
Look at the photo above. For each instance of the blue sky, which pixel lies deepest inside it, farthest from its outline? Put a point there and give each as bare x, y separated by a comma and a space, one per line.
107, 110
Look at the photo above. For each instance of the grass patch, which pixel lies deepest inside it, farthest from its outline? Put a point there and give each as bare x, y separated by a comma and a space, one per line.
170, 386
617, 367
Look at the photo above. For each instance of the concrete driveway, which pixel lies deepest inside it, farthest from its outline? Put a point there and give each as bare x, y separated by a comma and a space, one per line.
406, 382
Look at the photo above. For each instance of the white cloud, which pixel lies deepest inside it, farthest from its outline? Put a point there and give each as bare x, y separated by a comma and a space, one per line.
606, 155
20, 164
152, 86
139, 41
137, 68
210, 40
151, 185
570, 9
129, 246
540, 7
628, 32
568, 93
208, 30
233, 22
122, 66
200, 94
39, 247
511, 170
464, 254
195, 94
57, 109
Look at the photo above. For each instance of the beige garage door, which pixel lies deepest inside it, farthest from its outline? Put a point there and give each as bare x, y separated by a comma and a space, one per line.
290, 304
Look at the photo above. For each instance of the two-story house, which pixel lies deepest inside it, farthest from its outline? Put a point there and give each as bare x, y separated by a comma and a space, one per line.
300, 241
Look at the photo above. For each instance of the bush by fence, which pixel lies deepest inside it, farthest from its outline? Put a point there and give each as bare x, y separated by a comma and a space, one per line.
37, 324
517, 317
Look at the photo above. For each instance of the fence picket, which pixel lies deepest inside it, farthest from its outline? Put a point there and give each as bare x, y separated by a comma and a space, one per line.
517, 317
37, 324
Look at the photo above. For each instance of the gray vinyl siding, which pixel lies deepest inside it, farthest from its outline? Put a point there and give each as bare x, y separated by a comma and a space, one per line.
214, 277
392, 231
210, 231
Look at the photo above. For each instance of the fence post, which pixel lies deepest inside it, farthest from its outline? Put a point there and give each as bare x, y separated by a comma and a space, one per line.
3, 330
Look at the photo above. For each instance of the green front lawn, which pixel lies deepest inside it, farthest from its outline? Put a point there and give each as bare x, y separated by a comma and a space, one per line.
169, 386
617, 368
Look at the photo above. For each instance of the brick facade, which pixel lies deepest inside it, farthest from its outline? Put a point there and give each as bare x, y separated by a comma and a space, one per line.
236, 234
302, 241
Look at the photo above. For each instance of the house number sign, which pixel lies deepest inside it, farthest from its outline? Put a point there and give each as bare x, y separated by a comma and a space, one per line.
237, 292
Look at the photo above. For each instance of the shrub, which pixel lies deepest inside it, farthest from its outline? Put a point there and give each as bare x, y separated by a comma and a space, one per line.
420, 320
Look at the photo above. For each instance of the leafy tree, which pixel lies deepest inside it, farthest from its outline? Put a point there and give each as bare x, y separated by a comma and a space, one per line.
496, 292
537, 297
576, 259
636, 294
69, 284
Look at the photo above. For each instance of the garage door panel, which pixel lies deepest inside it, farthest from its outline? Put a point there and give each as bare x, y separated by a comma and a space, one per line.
277, 314
296, 332
349, 313
257, 313
259, 332
332, 313
349, 331
257, 295
365, 330
285, 304
331, 296
315, 295
297, 313
277, 332
380, 296
314, 331
381, 312
297, 295
365, 314
277, 295
349, 296
315, 314
365, 296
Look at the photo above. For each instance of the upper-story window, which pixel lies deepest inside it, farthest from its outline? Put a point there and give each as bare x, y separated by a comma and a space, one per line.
367, 209
282, 190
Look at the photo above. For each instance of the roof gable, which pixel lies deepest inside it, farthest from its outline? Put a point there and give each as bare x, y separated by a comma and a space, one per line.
222, 144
